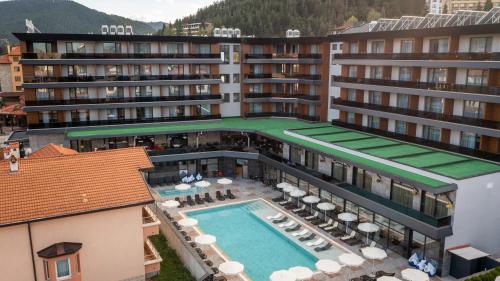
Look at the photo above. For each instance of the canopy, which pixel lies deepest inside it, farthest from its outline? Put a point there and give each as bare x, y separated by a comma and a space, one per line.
171, 204
373, 253
297, 193
368, 227
326, 206
205, 239
301, 272
282, 275
183, 186
231, 268
351, 260
412, 274
311, 199
347, 217
328, 266
224, 181
282, 185
188, 222
388, 278
202, 184
290, 188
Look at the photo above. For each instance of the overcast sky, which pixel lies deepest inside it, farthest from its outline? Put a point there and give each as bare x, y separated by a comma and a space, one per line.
147, 10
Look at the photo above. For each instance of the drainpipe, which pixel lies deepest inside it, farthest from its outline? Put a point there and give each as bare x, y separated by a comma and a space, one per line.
32, 256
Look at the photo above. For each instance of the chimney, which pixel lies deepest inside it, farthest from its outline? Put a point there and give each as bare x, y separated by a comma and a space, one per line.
12, 154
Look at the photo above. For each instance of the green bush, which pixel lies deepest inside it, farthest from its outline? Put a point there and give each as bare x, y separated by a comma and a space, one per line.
487, 276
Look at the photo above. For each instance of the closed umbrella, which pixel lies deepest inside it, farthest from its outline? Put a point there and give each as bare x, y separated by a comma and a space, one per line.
326, 207
373, 253
231, 268
202, 184
347, 217
183, 186
411, 274
351, 260
282, 275
311, 199
301, 272
205, 239
170, 204
368, 227
188, 222
328, 266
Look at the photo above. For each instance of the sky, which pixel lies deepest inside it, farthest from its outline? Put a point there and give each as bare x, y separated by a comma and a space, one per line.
148, 10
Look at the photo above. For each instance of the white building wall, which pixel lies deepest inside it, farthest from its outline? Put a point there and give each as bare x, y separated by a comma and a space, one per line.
334, 70
231, 108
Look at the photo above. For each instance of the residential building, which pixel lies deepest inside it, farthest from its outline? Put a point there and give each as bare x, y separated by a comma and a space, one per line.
454, 6
11, 74
435, 6
64, 216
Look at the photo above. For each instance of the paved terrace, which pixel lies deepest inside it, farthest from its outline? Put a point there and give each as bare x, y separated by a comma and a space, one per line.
247, 190
413, 163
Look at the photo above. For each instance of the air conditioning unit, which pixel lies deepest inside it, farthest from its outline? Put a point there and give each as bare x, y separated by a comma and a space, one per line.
230, 32
120, 30
223, 32
289, 33
129, 30
104, 29
296, 33
237, 32
216, 32
112, 29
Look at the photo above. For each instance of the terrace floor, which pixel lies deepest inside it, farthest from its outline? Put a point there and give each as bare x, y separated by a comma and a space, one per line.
247, 190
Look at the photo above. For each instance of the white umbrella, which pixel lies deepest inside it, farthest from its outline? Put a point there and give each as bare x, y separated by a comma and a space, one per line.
326, 207
328, 266
224, 181
188, 222
351, 260
301, 272
282, 185
205, 239
311, 199
368, 227
170, 204
412, 274
183, 186
289, 189
388, 278
373, 253
347, 217
202, 184
297, 193
231, 267
282, 275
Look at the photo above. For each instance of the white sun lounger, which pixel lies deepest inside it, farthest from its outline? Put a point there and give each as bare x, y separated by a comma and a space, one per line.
277, 216
335, 225
286, 201
347, 237
287, 224
300, 233
312, 216
330, 221
299, 209
315, 243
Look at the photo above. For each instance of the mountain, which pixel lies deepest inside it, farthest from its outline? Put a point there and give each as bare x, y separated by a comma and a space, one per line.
311, 17
59, 16
156, 25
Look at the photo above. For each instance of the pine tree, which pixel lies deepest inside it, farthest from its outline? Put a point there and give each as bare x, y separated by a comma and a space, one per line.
479, 7
488, 5
445, 8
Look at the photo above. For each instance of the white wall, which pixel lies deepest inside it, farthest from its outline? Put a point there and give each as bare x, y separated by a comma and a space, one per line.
333, 92
231, 108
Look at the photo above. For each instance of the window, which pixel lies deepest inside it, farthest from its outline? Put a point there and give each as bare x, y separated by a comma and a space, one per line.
77, 70
477, 77
401, 127
257, 49
63, 269
362, 179
144, 112
17, 68
203, 69
143, 91
378, 47
75, 47
142, 48
374, 97
113, 70
473, 109
202, 48
255, 88
46, 271
373, 122
339, 171
407, 46
438, 45
226, 97
236, 54
236, 97
44, 70
143, 69
236, 78
78, 269
353, 48
431, 133
203, 89
175, 48
40, 48
402, 194
255, 107
436, 75
225, 54
111, 47
334, 47
405, 73
78, 93
433, 104
376, 72
224, 78
175, 90
114, 92
175, 69
402, 101
17, 78
18, 88
480, 45
45, 94
351, 94
353, 71
469, 140
203, 109
350, 118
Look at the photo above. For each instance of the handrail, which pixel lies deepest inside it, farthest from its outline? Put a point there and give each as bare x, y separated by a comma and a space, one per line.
282, 114
282, 95
283, 76
117, 56
91, 78
494, 56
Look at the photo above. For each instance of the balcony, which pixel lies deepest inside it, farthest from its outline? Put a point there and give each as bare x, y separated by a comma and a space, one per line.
150, 223
282, 96
152, 259
421, 114
35, 56
56, 125
125, 78
422, 56
283, 56
484, 90
283, 76
282, 114
122, 100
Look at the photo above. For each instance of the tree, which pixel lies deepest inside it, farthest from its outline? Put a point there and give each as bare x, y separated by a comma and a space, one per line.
479, 7
373, 15
178, 28
445, 8
351, 21
488, 5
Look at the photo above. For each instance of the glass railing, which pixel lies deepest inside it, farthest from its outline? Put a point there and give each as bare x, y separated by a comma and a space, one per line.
121, 121
122, 100
283, 56
201, 148
282, 114
282, 95
49, 79
423, 56
117, 56
282, 76
485, 90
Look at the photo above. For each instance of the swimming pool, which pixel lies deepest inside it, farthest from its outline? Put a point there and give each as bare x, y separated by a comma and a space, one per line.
178, 193
246, 238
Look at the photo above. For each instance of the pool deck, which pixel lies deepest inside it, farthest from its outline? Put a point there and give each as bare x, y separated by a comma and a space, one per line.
246, 190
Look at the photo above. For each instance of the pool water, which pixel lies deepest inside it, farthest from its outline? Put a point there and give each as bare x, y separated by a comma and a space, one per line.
245, 238
179, 193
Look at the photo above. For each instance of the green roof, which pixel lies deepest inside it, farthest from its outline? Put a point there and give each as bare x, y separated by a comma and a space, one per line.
363, 142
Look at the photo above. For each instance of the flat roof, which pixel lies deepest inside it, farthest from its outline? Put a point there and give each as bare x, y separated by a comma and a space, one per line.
443, 163
469, 253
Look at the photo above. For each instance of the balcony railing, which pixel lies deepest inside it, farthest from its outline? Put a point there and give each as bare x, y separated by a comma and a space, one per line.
282, 95
117, 56
421, 141
121, 121
421, 114
283, 56
282, 114
200, 148
50, 79
282, 76
423, 56
122, 100
485, 90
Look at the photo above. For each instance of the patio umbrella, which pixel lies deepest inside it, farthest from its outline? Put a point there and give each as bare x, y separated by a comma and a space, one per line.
183, 186
388, 278
326, 207
411, 274
224, 181
351, 260
205, 239
373, 253
347, 217
231, 268
282, 275
368, 227
297, 194
311, 199
289, 189
188, 222
328, 266
282, 185
301, 272
170, 204
202, 184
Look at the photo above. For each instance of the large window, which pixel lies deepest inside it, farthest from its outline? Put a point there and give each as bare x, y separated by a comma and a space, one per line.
42, 47
402, 194
143, 69
378, 47
339, 171
144, 112
374, 122
236, 54
63, 269
142, 48
480, 44
431, 133
474, 109
433, 104
351, 118
202, 48
435, 205
75, 47
204, 109
143, 91
77, 70
175, 69
45, 94
113, 70
224, 50
114, 92
407, 46
175, 90
255, 107
405, 73
401, 127
402, 101
78, 93
376, 72
353, 71
353, 47
175, 48
202, 69
438, 45
477, 77
112, 47
469, 140
351, 94
362, 179
436, 75
44, 70
203, 89
374, 97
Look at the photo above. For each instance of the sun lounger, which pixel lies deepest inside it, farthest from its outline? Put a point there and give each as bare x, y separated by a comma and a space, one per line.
283, 219
275, 217
315, 243
290, 206
317, 221
208, 198
307, 238
323, 248
219, 196
304, 213
229, 194
287, 224
349, 236
300, 233
190, 200
295, 228
312, 217
298, 210
277, 199
381, 273
331, 227
323, 225
198, 199
282, 203
181, 204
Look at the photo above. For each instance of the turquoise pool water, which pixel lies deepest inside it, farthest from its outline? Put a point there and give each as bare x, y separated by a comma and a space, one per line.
245, 238
178, 193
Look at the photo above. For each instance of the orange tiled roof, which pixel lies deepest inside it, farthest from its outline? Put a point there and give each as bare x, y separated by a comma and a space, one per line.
52, 150
13, 109
15, 51
51, 187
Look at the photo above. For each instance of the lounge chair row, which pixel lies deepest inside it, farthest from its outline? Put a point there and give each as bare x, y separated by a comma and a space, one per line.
206, 199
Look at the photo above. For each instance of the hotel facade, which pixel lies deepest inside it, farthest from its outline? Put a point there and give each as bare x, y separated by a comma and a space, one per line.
414, 103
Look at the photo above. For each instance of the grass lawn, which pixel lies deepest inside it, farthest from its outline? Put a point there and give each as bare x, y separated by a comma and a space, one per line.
172, 268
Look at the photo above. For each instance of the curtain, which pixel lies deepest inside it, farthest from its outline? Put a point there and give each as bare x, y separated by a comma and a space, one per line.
63, 268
